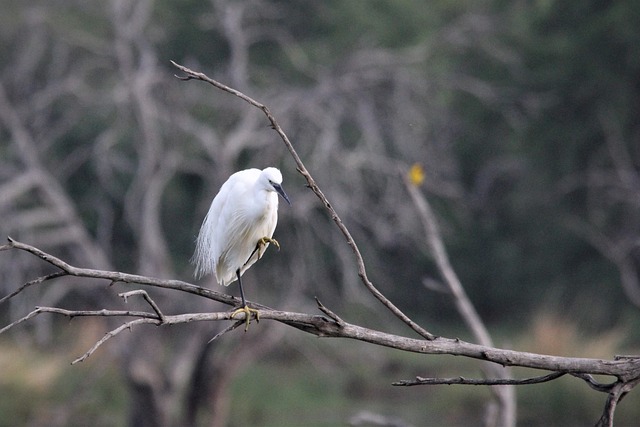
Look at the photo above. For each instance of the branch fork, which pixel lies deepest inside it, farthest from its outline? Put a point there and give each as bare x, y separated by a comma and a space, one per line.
147, 298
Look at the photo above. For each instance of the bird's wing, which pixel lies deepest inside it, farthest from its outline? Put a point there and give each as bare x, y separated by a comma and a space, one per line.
232, 227
209, 245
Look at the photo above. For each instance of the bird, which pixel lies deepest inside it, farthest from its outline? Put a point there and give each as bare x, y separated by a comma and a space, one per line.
238, 228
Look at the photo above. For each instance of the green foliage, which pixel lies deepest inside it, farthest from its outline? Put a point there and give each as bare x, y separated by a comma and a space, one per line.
41, 387
544, 125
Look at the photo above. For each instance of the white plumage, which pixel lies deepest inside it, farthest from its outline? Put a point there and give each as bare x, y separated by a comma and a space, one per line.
239, 225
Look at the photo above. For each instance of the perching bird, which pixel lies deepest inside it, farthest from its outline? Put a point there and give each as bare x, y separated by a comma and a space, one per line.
239, 227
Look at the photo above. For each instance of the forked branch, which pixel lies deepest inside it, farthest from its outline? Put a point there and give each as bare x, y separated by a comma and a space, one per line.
362, 272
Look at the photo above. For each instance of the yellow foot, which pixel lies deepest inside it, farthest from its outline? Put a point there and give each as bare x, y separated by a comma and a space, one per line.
261, 245
247, 314
266, 240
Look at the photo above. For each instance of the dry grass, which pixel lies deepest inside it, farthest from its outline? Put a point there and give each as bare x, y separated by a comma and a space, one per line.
556, 334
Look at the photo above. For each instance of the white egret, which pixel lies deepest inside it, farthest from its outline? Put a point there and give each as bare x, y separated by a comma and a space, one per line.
239, 227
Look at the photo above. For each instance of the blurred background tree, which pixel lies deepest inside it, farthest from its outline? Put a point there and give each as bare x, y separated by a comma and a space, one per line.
523, 114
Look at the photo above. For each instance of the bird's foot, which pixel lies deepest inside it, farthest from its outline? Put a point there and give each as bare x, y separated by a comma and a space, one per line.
247, 315
266, 240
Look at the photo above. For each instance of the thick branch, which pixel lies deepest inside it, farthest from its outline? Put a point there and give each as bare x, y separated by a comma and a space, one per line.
113, 276
625, 369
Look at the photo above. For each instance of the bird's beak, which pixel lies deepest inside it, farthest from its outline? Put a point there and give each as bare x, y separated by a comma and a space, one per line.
281, 192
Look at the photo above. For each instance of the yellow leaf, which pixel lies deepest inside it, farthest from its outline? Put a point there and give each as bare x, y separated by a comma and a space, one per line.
416, 174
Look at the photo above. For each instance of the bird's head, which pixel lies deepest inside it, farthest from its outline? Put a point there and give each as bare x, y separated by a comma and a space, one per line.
272, 179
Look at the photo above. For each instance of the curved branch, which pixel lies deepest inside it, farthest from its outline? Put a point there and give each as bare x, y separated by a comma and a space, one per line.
110, 335
362, 272
618, 391
113, 276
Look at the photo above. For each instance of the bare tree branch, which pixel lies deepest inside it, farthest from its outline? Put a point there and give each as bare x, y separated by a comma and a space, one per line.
462, 301
619, 390
148, 299
31, 283
227, 329
492, 381
626, 369
62, 208
192, 75
505, 395
116, 277
329, 313
110, 335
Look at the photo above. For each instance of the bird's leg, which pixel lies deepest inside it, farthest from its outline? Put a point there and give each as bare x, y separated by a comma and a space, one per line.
261, 243
266, 240
245, 308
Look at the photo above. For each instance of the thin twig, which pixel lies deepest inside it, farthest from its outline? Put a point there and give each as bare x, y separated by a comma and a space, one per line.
475, 381
362, 273
34, 313
598, 386
227, 329
37, 281
110, 335
78, 313
329, 313
147, 298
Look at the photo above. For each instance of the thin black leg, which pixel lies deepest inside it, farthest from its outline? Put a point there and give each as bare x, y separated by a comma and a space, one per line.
253, 253
244, 302
245, 309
